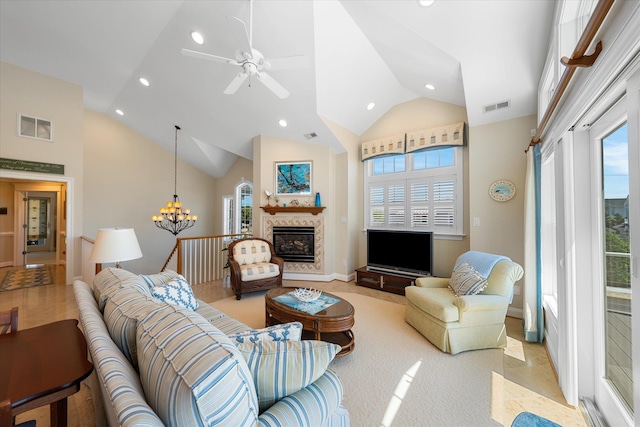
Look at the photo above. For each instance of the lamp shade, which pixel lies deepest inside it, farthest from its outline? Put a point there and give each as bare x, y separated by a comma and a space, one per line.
115, 245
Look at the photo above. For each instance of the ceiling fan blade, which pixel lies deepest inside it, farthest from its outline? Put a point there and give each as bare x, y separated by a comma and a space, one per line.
286, 62
235, 83
239, 33
275, 87
208, 57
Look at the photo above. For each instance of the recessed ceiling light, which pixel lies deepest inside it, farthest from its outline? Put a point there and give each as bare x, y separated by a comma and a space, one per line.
426, 3
143, 81
430, 86
283, 123
370, 106
197, 37
120, 112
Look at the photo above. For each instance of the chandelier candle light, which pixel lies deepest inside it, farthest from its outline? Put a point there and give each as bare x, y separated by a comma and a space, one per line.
175, 218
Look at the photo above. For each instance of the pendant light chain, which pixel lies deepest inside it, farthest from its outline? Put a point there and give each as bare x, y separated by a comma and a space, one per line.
175, 163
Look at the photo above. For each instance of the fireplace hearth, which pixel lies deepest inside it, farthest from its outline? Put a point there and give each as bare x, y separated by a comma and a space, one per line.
294, 244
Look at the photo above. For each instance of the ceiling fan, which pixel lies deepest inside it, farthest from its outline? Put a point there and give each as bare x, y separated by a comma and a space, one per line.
252, 62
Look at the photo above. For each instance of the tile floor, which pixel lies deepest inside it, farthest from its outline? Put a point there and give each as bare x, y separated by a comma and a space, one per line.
529, 382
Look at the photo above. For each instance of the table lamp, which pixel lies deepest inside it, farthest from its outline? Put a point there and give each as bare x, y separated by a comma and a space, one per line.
115, 245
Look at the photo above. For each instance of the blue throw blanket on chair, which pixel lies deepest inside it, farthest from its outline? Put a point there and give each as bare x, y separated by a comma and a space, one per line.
482, 262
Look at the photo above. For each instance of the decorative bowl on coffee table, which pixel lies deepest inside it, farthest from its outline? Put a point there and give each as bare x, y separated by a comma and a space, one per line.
307, 295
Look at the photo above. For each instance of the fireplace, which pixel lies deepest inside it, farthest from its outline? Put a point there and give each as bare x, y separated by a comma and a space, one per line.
294, 244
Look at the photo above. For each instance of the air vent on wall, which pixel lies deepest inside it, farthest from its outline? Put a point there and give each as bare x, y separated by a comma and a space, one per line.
311, 135
32, 127
496, 106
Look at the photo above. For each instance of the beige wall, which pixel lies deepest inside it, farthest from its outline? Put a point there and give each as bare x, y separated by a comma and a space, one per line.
118, 177
36, 95
348, 197
496, 151
407, 117
267, 151
129, 178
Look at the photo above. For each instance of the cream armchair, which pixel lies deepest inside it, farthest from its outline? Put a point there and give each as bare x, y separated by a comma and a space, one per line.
468, 322
254, 266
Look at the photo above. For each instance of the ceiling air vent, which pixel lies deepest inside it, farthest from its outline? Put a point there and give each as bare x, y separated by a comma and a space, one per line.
496, 106
311, 135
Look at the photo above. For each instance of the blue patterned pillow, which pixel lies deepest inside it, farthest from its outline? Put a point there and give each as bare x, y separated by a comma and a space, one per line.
465, 280
176, 292
282, 368
159, 279
285, 332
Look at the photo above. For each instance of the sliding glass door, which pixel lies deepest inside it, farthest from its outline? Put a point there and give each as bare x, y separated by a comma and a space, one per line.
617, 264
613, 312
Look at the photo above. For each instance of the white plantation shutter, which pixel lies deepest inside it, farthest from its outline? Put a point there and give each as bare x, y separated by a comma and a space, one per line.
444, 203
419, 204
396, 204
426, 199
376, 205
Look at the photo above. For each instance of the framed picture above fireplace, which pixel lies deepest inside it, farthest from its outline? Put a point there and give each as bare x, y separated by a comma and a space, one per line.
293, 178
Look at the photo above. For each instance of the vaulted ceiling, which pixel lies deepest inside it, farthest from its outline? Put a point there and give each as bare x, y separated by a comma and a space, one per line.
475, 52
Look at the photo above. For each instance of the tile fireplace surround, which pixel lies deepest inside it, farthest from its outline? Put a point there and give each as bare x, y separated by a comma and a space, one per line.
316, 267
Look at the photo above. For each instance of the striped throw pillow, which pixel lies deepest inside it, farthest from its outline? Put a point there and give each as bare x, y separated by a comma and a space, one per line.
285, 332
280, 368
110, 280
159, 279
121, 314
465, 280
191, 373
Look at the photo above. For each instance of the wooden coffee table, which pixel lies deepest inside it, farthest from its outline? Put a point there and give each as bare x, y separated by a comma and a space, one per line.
332, 324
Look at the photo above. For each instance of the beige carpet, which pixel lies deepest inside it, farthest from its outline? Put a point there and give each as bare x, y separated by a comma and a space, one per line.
395, 377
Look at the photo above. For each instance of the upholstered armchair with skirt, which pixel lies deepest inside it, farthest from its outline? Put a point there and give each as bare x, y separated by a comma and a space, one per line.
466, 311
254, 266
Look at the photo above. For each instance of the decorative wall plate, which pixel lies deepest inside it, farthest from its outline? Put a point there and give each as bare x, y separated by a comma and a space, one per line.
502, 190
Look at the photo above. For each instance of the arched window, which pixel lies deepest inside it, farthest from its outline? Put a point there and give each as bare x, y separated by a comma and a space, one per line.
243, 215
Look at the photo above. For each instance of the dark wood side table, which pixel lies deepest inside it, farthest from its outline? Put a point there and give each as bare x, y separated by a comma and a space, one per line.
43, 366
332, 324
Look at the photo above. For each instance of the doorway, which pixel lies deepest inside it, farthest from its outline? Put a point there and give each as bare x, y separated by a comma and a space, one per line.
40, 222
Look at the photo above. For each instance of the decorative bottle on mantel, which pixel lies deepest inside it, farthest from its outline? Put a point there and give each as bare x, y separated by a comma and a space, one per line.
318, 202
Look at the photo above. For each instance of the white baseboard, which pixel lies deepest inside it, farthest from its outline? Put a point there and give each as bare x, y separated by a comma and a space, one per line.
6, 264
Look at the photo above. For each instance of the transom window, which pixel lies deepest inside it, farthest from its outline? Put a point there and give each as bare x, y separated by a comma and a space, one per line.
416, 191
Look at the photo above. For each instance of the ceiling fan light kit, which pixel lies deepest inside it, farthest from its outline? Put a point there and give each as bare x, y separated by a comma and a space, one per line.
250, 60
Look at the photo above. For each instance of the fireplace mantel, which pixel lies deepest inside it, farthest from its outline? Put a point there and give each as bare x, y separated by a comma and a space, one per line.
313, 210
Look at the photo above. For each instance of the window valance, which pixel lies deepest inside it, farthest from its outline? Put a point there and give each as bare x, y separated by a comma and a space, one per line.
423, 139
383, 146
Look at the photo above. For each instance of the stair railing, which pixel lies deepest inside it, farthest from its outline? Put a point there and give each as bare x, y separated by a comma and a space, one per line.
201, 259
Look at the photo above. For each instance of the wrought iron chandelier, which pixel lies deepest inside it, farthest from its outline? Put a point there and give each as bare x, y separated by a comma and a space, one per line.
174, 218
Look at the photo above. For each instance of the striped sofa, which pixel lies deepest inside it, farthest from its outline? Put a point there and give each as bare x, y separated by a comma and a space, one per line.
161, 364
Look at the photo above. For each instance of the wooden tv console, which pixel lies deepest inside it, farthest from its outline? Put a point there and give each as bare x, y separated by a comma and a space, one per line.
388, 282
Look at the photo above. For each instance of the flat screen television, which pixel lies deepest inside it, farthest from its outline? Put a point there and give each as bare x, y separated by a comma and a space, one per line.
400, 252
